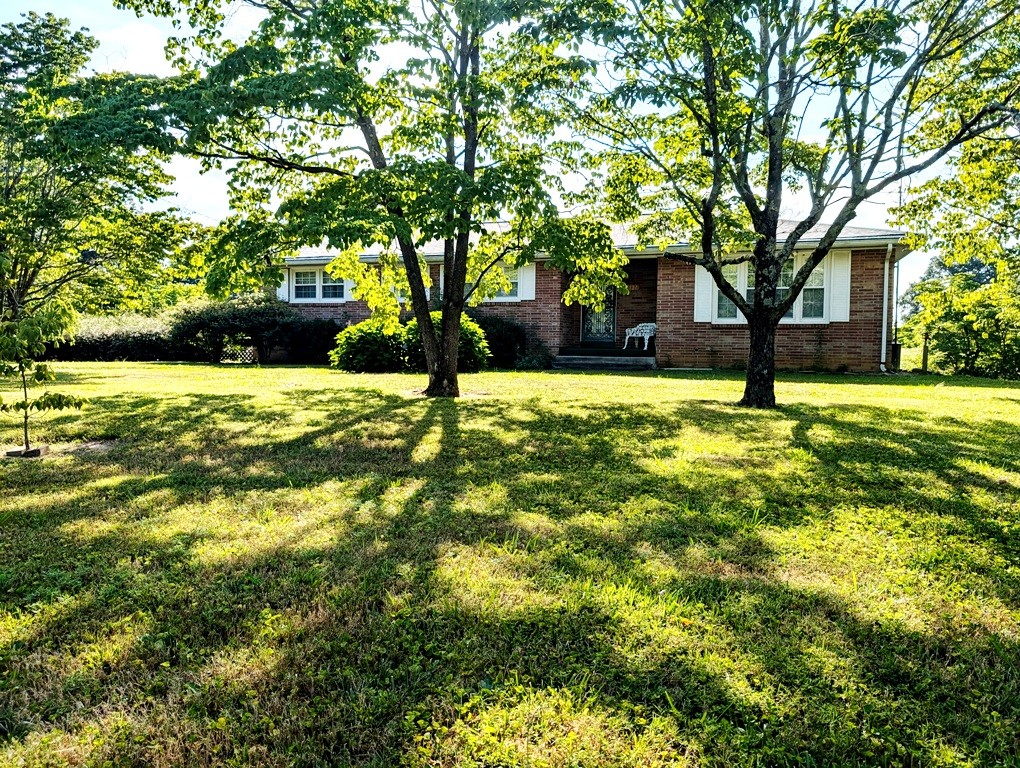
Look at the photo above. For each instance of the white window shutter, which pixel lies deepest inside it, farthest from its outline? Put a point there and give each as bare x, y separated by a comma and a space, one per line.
704, 285
283, 289
526, 282
348, 288
839, 286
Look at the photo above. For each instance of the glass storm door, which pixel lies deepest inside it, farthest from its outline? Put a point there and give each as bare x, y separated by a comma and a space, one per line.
600, 326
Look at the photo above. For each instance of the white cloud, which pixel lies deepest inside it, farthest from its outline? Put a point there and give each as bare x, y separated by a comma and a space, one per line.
202, 196
136, 46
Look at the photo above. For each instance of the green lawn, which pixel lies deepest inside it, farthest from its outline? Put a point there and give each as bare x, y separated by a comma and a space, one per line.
295, 566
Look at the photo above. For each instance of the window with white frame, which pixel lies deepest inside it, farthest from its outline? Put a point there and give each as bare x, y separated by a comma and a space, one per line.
332, 288
726, 309
809, 306
305, 284
522, 284
317, 285
783, 286
514, 276
812, 298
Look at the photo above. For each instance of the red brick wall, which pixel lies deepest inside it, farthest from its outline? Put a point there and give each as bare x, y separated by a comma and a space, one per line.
856, 344
349, 312
662, 291
544, 317
639, 304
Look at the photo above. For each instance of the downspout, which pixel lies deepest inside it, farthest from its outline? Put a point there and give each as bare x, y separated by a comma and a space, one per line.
885, 307
896, 304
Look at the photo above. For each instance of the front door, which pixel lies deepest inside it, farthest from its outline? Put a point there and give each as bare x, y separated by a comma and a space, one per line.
600, 326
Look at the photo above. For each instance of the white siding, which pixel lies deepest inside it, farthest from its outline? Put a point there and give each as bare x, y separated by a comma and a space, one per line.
283, 289
704, 286
526, 282
839, 286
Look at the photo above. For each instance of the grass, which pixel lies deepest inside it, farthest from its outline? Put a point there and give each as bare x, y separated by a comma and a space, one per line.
291, 566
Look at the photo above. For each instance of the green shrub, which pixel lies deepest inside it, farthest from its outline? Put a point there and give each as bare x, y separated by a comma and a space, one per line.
258, 321
124, 337
311, 340
205, 332
538, 360
368, 348
472, 349
507, 339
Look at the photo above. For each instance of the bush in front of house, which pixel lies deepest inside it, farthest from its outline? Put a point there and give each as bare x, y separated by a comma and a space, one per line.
507, 339
124, 337
539, 359
369, 348
472, 349
257, 320
203, 333
311, 340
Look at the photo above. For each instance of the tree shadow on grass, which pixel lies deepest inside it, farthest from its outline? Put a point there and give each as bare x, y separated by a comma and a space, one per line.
403, 580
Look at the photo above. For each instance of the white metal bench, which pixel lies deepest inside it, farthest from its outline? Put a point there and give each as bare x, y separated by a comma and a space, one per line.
644, 330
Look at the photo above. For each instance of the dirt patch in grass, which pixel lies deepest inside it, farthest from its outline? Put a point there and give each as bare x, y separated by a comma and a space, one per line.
94, 447
63, 449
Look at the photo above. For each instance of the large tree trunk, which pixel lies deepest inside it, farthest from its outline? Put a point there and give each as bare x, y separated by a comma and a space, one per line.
443, 374
760, 385
443, 379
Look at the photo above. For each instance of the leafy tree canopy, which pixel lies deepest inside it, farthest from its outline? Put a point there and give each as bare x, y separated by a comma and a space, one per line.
971, 210
972, 273
79, 158
372, 125
708, 115
971, 320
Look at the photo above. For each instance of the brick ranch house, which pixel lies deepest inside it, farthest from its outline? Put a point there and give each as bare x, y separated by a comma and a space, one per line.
841, 321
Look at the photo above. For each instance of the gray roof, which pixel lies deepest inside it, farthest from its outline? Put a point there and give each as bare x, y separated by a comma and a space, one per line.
625, 238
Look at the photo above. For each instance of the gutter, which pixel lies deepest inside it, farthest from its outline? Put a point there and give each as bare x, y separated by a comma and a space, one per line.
885, 307
632, 251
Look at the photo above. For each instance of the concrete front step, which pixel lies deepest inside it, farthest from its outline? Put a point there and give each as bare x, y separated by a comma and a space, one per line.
603, 363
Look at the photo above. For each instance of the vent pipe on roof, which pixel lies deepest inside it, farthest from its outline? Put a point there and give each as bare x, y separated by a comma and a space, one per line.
885, 306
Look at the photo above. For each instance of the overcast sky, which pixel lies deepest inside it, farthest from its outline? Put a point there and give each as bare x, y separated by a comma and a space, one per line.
132, 44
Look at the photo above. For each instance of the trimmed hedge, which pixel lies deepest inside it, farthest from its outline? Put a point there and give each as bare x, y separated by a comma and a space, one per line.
139, 346
126, 337
204, 334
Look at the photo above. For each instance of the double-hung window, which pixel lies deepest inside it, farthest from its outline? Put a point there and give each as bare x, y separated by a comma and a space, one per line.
726, 309
514, 276
332, 288
783, 286
808, 307
306, 284
812, 298
317, 285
